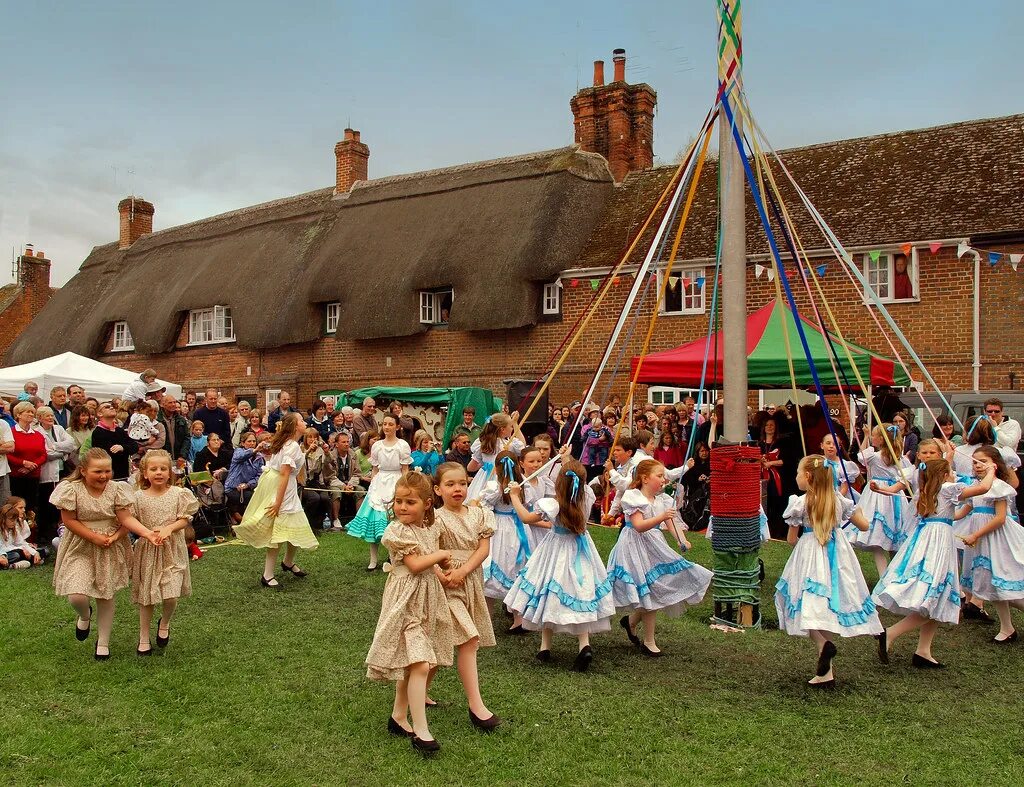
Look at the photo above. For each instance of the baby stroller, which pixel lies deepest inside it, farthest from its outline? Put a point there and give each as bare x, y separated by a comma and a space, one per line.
213, 509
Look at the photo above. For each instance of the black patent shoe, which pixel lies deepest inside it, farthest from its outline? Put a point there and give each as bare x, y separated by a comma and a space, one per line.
883, 646
83, 634
518, 630
583, 659
425, 748
101, 656
293, 570
922, 663
543, 656
651, 654
162, 641
269, 583
624, 622
824, 685
397, 729
828, 652
974, 612
487, 725
1010, 639
147, 652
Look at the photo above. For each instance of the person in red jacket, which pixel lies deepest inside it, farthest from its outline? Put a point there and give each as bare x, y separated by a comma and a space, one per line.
29, 455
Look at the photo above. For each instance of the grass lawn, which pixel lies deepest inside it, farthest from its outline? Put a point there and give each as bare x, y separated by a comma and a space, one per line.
263, 687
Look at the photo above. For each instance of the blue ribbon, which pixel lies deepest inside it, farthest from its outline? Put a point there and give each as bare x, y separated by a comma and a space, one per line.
582, 550
834, 464
985, 510
575, 484
488, 468
908, 548
833, 568
897, 499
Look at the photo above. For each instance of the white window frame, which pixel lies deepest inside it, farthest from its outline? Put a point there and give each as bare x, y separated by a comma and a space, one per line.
213, 326
333, 315
552, 298
270, 400
123, 341
693, 291
662, 391
870, 269
430, 305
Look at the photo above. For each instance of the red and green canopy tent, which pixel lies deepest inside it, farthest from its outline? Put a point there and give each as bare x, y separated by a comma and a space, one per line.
766, 357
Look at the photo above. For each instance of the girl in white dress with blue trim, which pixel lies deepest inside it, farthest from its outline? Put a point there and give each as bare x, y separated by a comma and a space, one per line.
844, 471
510, 544
390, 458
822, 591
922, 582
647, 575
993, 568
500, 433
882, 501
564, 587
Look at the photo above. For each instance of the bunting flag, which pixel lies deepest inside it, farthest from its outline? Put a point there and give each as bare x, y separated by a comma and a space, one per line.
615, 281
686, 282
771, 274
594, 283
993, 258
700, 282
962, 249
574, 283
758, 270
906, 248
559, 284
874, 255
820, 271
1015, 260
934, 247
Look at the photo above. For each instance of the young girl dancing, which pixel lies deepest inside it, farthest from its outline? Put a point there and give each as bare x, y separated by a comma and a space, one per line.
93, 556
414, 631
647, 575
822, 591
15, 550
500, 433
921, 582
160, 574
993, 568
390, 458
564, 587
844, 472
531, 461
510, 547
465, 534
274, 515
882, 501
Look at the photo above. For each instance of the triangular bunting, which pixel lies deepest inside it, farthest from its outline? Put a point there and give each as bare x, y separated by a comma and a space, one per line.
574, 283
906, 248
700, 282
1015, 260
874, 255
962, 249
993, 258
934, 247
594, 284
686, 282
758, 270
771, 274
820, 270
615, 281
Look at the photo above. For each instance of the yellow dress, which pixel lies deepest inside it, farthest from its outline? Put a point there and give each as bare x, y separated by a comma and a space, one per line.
162, 572
259, 530
461, 536
415, 624
82, 566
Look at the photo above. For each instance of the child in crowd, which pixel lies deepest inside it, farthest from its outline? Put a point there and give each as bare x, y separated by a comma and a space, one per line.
500, 433
882, 501
425, 458
466, 535
922, 582
94, 557
15, 549
564, 587
196, 442
993, 564
822, 591
646, 574
414, 632
274, 515
160, 572
510, 546
390, 458
142, 424
137, 389
28, 390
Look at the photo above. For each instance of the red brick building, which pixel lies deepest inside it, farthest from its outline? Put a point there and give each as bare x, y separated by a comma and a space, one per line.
473, 274
22, 301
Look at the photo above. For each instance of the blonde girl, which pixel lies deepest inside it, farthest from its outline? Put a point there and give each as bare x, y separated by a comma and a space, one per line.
882, 502
466, 535
274, 515
160, 573
647, 575
500, 433
414, 631
922, 582
93, 558
844, 472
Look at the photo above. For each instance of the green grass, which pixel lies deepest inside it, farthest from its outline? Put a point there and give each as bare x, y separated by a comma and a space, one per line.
259, 687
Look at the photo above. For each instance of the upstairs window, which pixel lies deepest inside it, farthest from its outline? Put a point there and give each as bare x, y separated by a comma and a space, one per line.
685, 291
552, 303
210, 326
436, 306
333, 312
123, 341
893, 276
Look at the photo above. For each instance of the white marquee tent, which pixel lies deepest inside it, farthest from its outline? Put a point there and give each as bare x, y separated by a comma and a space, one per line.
99, 380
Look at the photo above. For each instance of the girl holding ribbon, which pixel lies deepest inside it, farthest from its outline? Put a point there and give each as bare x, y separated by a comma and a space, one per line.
844, 472
882, 502
922, 581
822, 591
510, 547
647, 575
564, 587
500, 433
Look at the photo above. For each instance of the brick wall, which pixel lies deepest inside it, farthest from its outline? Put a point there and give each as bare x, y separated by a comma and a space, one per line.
33, 293
939, 328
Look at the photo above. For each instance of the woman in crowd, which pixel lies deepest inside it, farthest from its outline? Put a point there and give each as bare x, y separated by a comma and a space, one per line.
256, 423
669, 452
945, 429
320, 420
243, 475
904, 422
774, 449
215, 458
59, 446
29, 455
315, 477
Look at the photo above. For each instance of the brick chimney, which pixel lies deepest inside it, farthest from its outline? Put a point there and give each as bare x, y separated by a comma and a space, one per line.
351, 156
617, 119
34, 280
136, 220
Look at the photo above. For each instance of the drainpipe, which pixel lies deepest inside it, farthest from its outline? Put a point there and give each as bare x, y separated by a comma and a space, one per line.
977, 322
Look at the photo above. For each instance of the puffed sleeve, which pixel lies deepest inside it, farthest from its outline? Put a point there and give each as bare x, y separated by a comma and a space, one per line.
399, 541
1009, 456
950, 493
476, 452
404, 453
867, 453
375, 450
122, 497
852, 470
64, 496
487, 524
1001, 490
548, 507
632, 501
490, 495
516, 446
589, 500
186, 504
846, 507
794, 515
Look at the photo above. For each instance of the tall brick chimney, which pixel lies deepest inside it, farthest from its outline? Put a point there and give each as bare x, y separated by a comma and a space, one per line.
351, 156
136, 220
34, 279
617, 119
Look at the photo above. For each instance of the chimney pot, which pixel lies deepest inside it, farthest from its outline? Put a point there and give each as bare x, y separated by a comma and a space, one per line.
40, 254
619, 61
598, 73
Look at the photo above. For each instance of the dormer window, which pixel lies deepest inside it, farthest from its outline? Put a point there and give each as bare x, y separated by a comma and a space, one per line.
552, 301
210, 326
436, 306
123, 341
333, 313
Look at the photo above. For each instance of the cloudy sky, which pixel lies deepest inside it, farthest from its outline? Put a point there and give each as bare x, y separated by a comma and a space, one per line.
204, 107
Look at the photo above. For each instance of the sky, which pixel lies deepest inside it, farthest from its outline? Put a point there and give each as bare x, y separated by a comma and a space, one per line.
205, 107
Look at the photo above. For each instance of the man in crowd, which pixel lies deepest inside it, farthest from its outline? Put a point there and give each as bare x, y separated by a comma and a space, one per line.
76, 396
364, 421
175, 425
469, 426
1007, 431
284, 406
240, 425
460, 450
59, 405
214, 419
348, 476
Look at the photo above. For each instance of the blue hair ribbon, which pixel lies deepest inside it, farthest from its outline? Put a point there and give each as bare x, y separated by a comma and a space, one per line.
922, 466
575, 483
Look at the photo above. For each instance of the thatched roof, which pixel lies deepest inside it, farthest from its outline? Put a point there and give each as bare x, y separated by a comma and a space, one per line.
938, 183
495, 231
